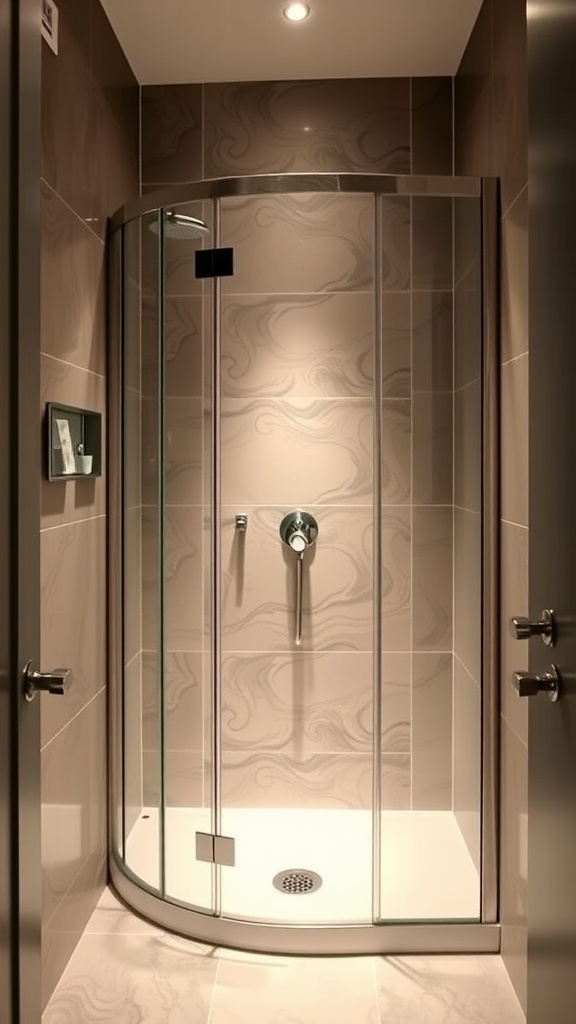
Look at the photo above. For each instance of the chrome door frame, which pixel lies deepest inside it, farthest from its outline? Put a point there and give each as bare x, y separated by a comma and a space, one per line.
378, 937
20, 878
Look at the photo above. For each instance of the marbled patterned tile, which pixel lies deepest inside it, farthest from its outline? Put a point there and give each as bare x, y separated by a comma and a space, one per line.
396, 355
183, 345
132, 741
182, 697
135, 977
396, 703
431, 101
171, 133
295, 451
445, 990
304, 243
183, 451
297, 703
432, 702
467, 330
293, 990
432, 448
468, 590
395, 782
396, 579
265, 779
468, 447
432, 341
300, 346
396, 243
150, 451
431, 243
182, 576
360, 125
432, 578
260, 578
396, 484
183, 777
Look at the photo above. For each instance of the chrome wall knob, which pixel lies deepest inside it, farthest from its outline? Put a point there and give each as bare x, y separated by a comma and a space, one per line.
527, 684
58, 681
522, 628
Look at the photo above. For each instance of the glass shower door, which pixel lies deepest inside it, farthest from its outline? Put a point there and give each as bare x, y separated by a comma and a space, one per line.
431, 697
297, 421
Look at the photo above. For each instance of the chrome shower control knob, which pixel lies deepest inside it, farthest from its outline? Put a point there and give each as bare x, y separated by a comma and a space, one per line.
528, 684
57, 682
522, 628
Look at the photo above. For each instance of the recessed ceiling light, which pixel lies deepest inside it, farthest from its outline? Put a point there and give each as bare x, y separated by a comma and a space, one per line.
296, 11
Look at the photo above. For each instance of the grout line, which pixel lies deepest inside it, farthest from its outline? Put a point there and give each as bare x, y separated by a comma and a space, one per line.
76, 215
74, 717
74, 366
73, 522
510, 522
514, 359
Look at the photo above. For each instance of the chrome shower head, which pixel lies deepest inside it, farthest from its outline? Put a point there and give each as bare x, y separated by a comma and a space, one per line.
181, 225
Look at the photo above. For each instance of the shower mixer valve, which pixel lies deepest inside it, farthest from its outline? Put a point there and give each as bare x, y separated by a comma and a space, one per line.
299, 531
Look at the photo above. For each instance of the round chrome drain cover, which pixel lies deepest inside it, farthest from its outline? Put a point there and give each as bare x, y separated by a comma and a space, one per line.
296, 880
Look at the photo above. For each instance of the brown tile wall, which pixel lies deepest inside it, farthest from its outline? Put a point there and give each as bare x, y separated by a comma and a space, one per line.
491, 139
297, 431
90, 166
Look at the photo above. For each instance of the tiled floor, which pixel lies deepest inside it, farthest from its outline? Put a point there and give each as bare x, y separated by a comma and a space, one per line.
125, 971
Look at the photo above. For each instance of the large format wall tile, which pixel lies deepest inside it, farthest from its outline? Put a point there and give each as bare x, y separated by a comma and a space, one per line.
132, 742
183, 451
396, 345
297, 452
396, 579
303, 243
473, 100
432, 267
182, 774
340, 125
432, 732
432, 448
468, 447
132, 582
432, 578
181, 697
396, 703
265, 779
260, 579
315, 346
510, 97
183, 345
298, 704
73, 632
432, 341
182, 575
171, 133
73, 802
73, 282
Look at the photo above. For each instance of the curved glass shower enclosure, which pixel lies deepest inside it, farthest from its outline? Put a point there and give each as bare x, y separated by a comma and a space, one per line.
303, 498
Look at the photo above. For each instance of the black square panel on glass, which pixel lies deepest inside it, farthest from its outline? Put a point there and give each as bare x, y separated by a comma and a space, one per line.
215, 262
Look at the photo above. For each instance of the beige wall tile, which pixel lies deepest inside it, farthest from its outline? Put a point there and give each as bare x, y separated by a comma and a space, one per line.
468, 447
302, 346
183, 778
301, 451
473, 95
264, 779
432, 732
182, 570
183, 451
432, 446
396, 345
182, 698
432, 341
431, 243
298, 704
183, 345
396, 729
73, 631
73, 804
132, 573
510, 97
432, 578
132, 741
396, 578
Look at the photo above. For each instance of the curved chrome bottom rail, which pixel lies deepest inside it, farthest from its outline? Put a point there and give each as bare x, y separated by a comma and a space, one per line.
306, 940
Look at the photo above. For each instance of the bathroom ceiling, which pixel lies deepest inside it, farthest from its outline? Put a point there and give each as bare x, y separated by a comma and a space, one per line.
171, 41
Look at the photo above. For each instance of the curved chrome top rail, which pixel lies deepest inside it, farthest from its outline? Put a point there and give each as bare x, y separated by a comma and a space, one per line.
259, 184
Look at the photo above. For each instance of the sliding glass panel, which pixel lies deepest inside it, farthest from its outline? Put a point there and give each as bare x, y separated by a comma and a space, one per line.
297, 439
431, 559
